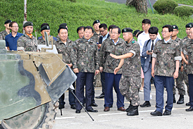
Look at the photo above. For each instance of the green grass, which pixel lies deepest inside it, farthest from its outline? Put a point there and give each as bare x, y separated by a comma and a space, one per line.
83, 12
187, 2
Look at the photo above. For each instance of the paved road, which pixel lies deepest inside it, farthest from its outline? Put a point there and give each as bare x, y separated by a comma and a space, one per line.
124, 1
151, 1
119, 120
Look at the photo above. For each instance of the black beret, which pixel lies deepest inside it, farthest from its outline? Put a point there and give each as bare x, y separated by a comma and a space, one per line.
7, 21
28, 23
63, 25
46, 27
127, 30
135, 32
175, 27
96, 21
189, 25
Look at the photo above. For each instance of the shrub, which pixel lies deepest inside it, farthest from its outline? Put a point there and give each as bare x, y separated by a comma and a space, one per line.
165, 6
183, 11
72, 0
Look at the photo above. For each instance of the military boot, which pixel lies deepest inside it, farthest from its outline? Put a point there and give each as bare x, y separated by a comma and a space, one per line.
133, 111
129, 108
181, 99
61, 102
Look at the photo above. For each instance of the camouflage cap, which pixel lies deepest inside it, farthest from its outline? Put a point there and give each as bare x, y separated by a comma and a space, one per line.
7, 21
175, 27
46, 27
189, 25
127, 30
28, 23
96, 21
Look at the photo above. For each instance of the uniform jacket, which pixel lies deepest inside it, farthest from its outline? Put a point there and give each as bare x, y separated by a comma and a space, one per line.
85, 55
29, 44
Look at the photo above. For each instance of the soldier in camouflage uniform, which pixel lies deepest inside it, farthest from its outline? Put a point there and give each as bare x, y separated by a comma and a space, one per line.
96, 34
64, 47
41, 41
166, 58
179, 80
85, 65
27, 42
183, 69
188, 52
131, 71
114, 45
6, 31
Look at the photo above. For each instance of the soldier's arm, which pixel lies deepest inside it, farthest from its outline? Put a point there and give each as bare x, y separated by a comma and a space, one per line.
101, 54
154, 55
119, 66
74, 55
96, 58
20, 44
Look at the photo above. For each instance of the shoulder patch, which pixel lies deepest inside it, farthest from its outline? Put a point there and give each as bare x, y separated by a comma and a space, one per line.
133, 42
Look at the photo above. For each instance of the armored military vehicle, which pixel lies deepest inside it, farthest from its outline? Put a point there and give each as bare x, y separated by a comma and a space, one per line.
30, 85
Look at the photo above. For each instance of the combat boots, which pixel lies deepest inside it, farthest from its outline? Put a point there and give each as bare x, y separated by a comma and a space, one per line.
181, 99
133, 111
129, 108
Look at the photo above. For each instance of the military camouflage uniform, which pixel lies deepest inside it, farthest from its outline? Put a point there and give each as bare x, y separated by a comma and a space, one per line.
131, 73
166, 54
106, 61
43, 42
85, 56
95, 37
184, 75
188, 50
3, 34
179, 80
65, 50
29, 44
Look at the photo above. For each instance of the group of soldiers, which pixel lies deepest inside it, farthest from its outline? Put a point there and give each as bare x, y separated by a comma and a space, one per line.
118, 61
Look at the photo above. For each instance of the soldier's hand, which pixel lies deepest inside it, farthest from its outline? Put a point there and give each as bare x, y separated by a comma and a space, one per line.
101, 69
182, 68
175, 74
70, 65
76, 70
97, 72
152, 73
116, 70
186, 62
114, 56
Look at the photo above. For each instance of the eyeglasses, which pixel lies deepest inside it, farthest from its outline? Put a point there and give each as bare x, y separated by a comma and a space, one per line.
114, 33
15, 26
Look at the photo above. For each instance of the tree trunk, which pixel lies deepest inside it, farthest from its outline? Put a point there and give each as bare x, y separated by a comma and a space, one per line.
140, 5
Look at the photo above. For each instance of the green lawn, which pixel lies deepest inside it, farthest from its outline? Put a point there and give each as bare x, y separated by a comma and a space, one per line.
83, 12
187, 2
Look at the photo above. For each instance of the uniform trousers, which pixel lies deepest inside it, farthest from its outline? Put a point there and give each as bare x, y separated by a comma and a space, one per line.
190, 80
84, 78
160, 81
103, 82
113, 80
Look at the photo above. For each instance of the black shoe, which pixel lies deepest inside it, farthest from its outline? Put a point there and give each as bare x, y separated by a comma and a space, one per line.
156, 113
181, 99
78, 111
92, 110
133, 111
146, 104
129, 108
73, 106
189, 109
100, 96
167, 113
188, 104
94, 105
174, 99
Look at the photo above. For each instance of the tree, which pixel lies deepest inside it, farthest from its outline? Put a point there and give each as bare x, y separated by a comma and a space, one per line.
140, 5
